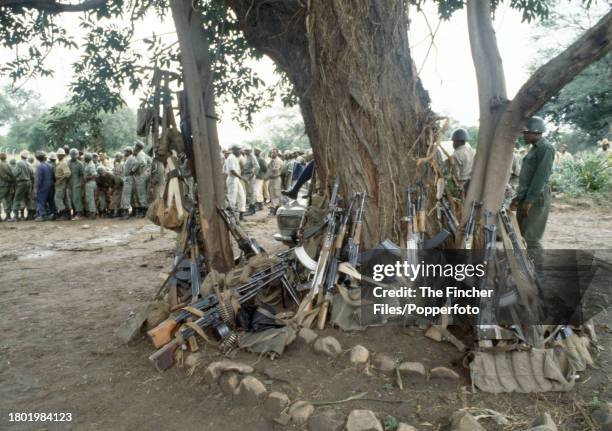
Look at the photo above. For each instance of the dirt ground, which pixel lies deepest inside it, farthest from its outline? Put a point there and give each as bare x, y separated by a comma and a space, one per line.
65, 287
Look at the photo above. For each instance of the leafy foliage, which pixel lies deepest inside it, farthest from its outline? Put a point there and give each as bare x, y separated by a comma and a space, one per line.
288, 132
17, 104
587, 173
530, 9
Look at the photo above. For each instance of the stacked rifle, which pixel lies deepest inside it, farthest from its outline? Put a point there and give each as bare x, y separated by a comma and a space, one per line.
336, 248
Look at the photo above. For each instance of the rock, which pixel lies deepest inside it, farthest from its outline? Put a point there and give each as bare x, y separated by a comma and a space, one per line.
463, 421
193, 359
602, 418
412, 368
250, 391
300, 412
363, 420
384, 363
544, 422
328, 346
359, 355
444, 373
158, 312
85, 226
405, 427
215, 369
275, 404
327, 420
229, 382
307, 335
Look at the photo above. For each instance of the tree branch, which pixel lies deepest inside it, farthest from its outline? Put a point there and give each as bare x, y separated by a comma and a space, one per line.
52, 6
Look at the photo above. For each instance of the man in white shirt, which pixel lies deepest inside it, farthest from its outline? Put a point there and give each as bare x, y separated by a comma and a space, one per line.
235, 192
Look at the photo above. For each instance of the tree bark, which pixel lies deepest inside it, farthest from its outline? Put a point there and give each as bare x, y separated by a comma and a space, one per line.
365, 111
197, 77
494, 156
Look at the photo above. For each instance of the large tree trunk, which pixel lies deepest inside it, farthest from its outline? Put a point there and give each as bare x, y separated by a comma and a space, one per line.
197, 77
365, 110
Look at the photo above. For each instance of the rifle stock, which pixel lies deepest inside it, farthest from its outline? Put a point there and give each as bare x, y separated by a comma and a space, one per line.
162, 333
164, 357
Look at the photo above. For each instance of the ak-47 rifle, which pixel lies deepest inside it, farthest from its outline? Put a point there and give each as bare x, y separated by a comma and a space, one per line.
468, 230
524, 264
355, 238
449, 214
247, 244
218, 317
330, 280
324, 255
420, 225
162, 333
485, 325
195, 258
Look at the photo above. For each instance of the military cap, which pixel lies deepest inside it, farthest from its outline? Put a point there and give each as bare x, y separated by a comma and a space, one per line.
24, 154
247, 147
235, 147
139, 144
52, 156
87, 157
61, 152
128, 150
74, 152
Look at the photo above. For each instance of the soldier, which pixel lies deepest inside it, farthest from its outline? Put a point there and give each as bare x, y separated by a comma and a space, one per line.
7, 179
462, 158
104, 183
287, 171
44, 188
249, 172
62, 177
117, 186
259, 179
275, 168
562, 155
140, 179
235, 192
90, 174
52, 159
31, 205
533, 194
130, 167
23, 186
95, 159
76, 183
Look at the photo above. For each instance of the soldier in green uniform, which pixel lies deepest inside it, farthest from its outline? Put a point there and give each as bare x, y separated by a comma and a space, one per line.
533, 195
117, 186
249, 173
91, 174
76, 183
62, 178
140, 179
7, 180
24, 178
130, 167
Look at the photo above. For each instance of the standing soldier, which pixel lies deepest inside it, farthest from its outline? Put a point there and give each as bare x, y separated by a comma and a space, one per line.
259, 179
275, 168
90, 173
117, 185
235, 192
76, 183
62, 176
23, 186
140, 179
44, 188
129, 169
6, 182
249, 172
533, 195
287, 171
32, 163
462, 158
105, 183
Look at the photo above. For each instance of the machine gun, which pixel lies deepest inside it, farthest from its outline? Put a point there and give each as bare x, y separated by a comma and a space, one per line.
162, 333
333, 264
468, 230
195, 259
247, 244
324, 255
524, 263
355, 238
219, 317
487, 329
449, 214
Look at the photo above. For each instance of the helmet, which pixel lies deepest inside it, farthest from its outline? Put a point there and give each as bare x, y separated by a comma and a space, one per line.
286, 152
139, 144
74, 152
235, 147
52, 156
460, 135
300, 159
101, 170
87, 157
60, 152
247, 147
24, 154
118, 155
40, 153
535, 125
128, 150
94, 155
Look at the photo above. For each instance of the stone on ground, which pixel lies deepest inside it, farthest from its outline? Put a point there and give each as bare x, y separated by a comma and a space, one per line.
327, 420
405, 427
544, 422
328, 346
228, 382
193, 359
275, 404
603, 417
412, 369
363, 420
444, 373
463, 421
300, 412
307, 335
250, 391
384, 363
359, 355
215, 369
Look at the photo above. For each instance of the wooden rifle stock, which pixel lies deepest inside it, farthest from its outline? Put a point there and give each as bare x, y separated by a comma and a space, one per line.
162, 333
164, 357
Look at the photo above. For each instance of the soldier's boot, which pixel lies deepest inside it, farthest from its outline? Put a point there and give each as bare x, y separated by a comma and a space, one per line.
241, 216
250, 211
32, 214
112, 214
272, 212
275, 210
126, 214
143, 212
15, 217
77, 215
22, 214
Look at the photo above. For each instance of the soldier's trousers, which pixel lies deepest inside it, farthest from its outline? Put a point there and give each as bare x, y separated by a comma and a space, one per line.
104, 199
76, 193
60, 195
141, 191
126, 195
23, 195
274, 187
532, 227
259, 197
249, 188
90, 196
235, 194
5, 198
115, 201
44, 201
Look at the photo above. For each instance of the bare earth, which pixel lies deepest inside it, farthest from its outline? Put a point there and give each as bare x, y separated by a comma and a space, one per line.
66, 286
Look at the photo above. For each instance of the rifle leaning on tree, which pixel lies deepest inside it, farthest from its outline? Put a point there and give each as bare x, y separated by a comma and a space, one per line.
247, 244
486, 328
220, 317
470, 224
448, 213
324, 256
355, 239
336, 255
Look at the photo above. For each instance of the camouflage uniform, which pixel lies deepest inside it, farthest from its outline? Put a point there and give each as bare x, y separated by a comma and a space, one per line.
62, 176
105, 183
24, 177
249, 172
7, 180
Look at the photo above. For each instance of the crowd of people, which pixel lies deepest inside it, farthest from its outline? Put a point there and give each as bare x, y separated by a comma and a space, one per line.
253, 179
71, 184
